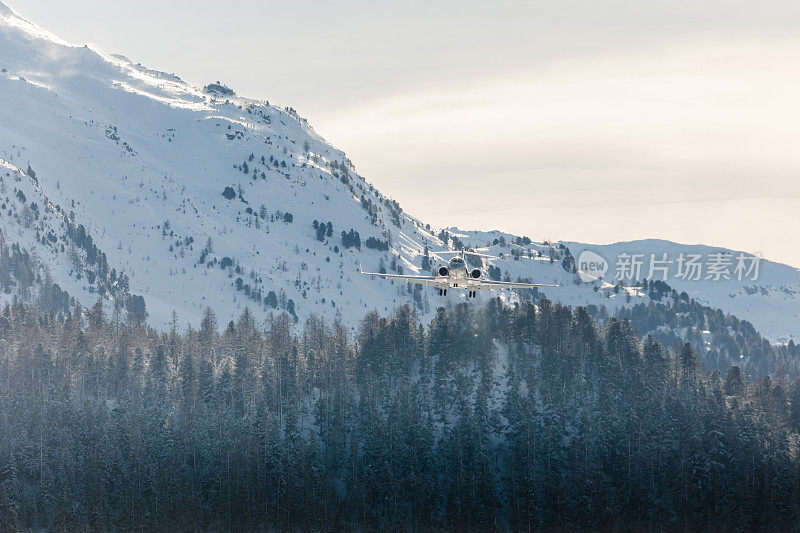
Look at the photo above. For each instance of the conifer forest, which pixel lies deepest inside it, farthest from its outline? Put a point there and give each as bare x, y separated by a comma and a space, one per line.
531, 417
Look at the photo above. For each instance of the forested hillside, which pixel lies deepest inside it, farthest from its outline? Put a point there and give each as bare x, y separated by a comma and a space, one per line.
720, 339
523, 417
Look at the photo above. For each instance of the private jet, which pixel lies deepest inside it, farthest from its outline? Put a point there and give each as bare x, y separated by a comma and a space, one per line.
457, 275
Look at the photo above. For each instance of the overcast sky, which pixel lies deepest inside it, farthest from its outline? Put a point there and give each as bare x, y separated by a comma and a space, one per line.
595, 121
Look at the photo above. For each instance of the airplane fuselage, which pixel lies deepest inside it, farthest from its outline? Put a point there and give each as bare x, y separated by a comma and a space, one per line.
457, 278
457, 274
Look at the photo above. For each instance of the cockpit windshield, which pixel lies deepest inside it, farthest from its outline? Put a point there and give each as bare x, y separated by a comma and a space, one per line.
456, 262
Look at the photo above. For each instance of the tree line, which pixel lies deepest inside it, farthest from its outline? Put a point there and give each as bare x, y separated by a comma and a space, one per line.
523, 417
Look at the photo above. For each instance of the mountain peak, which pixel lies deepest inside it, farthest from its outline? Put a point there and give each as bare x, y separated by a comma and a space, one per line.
5, 10
10, 19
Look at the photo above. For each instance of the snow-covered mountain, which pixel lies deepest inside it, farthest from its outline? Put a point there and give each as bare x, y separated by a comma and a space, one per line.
118, 177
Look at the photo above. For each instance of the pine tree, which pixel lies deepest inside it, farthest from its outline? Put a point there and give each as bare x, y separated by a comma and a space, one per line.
734, 385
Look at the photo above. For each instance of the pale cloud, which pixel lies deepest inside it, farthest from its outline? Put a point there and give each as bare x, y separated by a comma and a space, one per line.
649, 141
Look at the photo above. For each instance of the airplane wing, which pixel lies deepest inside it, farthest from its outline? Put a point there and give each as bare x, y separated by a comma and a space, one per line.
489, 284
434, 281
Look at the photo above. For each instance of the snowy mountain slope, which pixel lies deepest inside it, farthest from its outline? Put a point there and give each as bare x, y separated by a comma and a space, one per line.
133, 151
133, 170
771, 301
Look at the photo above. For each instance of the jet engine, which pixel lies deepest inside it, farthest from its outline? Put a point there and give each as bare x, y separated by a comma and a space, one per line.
476, 273
443, 271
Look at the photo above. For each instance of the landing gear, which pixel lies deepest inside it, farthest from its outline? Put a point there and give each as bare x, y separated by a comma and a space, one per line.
442, 292
472, 294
